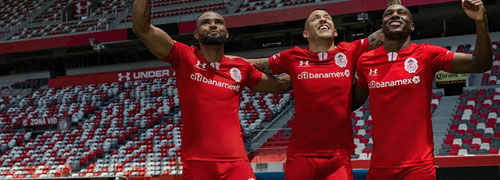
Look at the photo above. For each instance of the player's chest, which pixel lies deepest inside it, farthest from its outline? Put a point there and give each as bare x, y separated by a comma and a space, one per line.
220, 75
393, 70
321, 66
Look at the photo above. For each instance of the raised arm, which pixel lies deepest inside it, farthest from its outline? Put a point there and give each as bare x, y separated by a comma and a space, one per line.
270, 84
376, 39
391, 2
482, 57
359, 97
261, 64
155, 39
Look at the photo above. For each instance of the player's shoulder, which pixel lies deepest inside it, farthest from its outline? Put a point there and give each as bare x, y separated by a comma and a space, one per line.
181, 45
371, 53
428, 48
371, 56
352, 44
237, 61
286, 54
294, 50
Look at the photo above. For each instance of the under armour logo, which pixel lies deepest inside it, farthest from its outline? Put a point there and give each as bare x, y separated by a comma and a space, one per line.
373, 72
126, 76
322, 56
201, 65
304, 64
392, 56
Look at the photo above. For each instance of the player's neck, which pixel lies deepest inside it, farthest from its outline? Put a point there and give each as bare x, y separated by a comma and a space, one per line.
212, 53
394, 45
321, 45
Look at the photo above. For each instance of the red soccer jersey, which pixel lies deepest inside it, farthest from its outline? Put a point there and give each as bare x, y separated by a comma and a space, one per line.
400, 89
323, 86
209, 96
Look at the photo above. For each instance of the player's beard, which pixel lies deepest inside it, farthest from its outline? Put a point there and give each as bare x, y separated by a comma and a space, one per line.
208, 40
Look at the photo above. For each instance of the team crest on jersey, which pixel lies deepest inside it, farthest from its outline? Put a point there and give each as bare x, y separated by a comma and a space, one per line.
411, 65
341, 59
235, 74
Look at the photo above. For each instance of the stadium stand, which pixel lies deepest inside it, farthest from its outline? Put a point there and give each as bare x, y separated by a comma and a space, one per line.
362, 130
132, 128
99, 15
14, 12
257, 5
74, 102
491, 77
30, 83
54, 12
111, 6
63, 28
258, 107
475, 128
183, 10
129, 128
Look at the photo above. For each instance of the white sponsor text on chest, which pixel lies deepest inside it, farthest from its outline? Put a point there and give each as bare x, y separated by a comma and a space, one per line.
309, 75
399, 82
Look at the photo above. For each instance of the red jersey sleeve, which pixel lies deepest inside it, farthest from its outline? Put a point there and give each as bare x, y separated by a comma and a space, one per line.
441, 58
360, 46
277, 63
360, 78
178, 51
254, 77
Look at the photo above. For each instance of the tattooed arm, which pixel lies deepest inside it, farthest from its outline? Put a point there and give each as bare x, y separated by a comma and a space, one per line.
376, 39
261, 64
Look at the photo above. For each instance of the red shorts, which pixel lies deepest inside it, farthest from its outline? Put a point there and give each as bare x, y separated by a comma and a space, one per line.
424, 172
217, 170
318, 168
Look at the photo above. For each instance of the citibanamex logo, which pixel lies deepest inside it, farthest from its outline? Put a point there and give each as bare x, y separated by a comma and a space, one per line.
124, 77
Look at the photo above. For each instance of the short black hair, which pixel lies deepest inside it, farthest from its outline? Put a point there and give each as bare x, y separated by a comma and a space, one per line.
198, 18
317, 9
410, 15
320, 8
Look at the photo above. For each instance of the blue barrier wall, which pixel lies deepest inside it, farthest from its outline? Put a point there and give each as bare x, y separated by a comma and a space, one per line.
359, 174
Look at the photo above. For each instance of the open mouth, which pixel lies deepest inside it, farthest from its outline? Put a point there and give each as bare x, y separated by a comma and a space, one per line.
213, 33
324, 27
395, 23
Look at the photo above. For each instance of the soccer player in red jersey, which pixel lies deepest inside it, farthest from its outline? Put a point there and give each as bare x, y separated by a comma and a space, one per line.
210, 87
322, 76
398, 78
